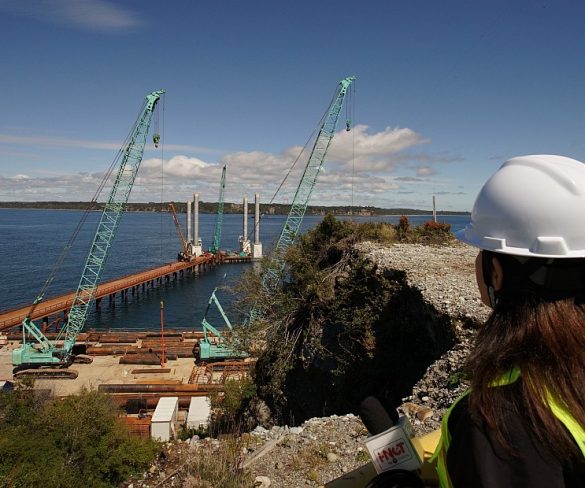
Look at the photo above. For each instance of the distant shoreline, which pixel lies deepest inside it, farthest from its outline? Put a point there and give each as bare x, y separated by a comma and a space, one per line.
235, 208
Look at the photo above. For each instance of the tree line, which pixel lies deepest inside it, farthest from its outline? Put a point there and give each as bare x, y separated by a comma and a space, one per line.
229, 208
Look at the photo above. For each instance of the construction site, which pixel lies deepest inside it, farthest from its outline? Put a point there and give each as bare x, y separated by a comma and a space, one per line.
157, 377
132, 369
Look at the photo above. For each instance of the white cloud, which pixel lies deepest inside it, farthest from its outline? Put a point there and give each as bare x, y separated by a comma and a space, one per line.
369, 177
92, 14
65, 187
408, 179
176, 168
364, 151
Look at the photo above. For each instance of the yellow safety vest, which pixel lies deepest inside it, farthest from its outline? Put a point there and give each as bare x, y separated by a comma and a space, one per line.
440, 455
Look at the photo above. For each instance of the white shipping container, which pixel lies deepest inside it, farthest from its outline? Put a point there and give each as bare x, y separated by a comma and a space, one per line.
199, 412
163, 420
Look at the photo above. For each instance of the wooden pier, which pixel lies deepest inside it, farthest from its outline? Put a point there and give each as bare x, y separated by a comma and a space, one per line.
128, 284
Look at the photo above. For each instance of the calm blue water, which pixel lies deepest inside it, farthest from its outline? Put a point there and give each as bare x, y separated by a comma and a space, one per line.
31, 241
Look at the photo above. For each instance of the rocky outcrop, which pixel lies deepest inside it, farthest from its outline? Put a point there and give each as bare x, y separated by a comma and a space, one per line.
428, 302
394, 313
445, 279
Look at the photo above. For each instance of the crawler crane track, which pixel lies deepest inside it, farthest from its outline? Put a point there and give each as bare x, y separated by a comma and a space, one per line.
47, 374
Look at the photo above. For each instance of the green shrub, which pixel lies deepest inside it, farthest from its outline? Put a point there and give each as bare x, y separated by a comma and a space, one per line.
434, 233
77, 441
229, 404
381, 232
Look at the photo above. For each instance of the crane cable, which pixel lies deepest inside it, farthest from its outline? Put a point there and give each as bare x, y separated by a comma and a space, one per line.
350, 114
162, 170
82, 220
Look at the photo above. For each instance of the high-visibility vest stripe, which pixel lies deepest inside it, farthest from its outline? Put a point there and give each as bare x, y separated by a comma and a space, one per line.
557, 408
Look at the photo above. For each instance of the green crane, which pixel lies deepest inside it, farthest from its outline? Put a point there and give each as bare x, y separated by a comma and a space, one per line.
290, 230
47, 353
274, 269
219, 221
213, 345
272, 276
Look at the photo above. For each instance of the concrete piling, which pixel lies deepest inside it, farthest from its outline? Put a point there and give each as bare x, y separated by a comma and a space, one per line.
197, 247
189, 235
257, 247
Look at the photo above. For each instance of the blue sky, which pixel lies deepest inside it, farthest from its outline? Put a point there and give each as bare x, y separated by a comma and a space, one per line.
446, 92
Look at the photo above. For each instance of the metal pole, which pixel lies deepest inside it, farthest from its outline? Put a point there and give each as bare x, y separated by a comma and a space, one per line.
434, 210
162, 333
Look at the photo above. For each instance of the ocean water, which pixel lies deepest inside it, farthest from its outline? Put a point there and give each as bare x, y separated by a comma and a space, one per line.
31, 241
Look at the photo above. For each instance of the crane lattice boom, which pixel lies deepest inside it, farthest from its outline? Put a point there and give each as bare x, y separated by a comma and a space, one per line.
219, 221
273, 272
292, 225
184, 243
129, 161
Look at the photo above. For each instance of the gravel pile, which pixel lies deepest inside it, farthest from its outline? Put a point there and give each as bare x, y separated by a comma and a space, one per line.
445, 275
320, 450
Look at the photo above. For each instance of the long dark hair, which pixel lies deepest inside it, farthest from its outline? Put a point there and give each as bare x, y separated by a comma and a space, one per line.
540, 330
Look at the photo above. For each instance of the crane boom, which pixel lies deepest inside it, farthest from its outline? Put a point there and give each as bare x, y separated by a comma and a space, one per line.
184, 243
219, 221
292, 225
213, 346
129, 158
273, 271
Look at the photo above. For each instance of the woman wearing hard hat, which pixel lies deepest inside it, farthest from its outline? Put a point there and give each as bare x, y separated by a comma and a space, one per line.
522, 422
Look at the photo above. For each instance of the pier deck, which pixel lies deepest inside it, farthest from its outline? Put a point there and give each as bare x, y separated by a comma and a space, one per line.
151, 277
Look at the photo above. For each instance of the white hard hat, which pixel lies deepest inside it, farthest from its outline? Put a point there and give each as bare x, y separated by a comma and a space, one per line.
532, 206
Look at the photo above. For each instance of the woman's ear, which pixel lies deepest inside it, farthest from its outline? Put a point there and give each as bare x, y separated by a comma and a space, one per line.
497, 275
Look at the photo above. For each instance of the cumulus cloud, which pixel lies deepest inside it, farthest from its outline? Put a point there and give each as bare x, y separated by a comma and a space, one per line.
176, 168
361, 167
90, 14
263, 166
79, 186
365, 151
